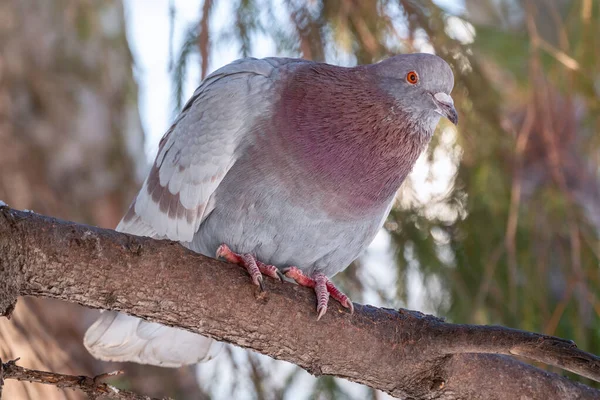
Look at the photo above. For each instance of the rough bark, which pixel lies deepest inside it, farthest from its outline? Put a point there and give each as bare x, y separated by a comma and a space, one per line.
94, 388
404, 353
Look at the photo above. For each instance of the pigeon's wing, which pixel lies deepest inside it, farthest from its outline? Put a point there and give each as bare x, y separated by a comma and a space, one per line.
200, 148
193, 157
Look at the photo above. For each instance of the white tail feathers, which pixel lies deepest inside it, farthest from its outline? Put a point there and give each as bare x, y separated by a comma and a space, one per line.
119, 337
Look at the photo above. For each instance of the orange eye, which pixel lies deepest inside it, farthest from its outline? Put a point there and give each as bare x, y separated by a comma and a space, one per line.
412, 78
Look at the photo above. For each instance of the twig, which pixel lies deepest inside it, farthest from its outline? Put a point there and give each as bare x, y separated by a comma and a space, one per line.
488, 276
1, 377
92, 387
203, 37
515, 201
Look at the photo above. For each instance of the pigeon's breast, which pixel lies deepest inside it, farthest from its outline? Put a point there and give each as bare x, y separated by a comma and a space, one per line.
337, 130
255, 213
313, 184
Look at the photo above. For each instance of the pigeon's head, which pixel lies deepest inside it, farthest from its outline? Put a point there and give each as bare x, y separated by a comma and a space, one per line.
420, 84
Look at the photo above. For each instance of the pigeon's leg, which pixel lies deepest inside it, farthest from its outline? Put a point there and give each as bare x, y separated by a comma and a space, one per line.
323, 289
255, 268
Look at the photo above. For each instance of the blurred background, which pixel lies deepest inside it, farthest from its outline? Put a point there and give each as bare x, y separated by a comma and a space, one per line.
499, 222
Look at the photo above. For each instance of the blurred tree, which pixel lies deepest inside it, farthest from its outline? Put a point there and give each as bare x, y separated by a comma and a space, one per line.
505, 228
72, 147
544, 207
501, 224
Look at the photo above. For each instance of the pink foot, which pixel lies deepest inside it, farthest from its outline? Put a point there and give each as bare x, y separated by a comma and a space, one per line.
323, 289
255, 268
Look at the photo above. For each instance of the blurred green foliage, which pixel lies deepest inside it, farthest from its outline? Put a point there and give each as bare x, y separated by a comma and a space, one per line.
514, 238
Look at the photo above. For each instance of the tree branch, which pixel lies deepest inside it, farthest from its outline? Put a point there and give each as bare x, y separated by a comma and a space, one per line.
404, 353
92, 387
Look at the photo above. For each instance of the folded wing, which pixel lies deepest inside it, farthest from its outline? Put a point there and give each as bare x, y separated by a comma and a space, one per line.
193, 158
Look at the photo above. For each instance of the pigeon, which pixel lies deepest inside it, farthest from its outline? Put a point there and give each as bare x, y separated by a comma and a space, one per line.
283, 166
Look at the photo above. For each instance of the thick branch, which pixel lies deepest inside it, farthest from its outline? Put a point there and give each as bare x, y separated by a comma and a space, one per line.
404, 353
94, 388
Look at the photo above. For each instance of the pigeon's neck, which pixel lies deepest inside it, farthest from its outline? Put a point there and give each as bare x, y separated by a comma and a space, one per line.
348, 135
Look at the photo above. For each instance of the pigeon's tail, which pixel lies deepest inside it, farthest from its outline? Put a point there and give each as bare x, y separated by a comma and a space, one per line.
119, 337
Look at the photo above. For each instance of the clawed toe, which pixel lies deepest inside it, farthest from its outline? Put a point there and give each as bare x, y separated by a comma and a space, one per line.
321, 310
323, 287
280, 275
296, 274
249, 262
225, 252
346, 303
270, 270
340, 296
255, 268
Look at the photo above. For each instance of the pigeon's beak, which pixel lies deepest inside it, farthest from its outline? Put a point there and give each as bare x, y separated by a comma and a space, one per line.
445, 106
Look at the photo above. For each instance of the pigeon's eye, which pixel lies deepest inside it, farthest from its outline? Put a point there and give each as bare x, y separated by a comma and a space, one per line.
412, 78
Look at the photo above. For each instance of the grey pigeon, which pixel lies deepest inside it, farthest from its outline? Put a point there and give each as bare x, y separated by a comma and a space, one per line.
279, 165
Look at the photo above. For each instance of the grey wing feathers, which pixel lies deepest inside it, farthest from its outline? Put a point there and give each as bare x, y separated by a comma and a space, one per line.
200, 148
193, 157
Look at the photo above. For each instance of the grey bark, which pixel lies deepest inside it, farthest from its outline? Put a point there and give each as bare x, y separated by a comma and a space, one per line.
401, 352
92, 387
